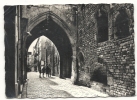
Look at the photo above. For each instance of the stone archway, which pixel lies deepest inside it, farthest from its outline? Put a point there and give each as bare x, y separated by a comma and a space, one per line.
61, 35
122, 17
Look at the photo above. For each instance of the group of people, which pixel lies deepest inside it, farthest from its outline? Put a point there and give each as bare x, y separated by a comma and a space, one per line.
46, 70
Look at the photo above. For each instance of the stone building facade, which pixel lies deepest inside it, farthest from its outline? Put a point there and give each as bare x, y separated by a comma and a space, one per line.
116, 47
95, 42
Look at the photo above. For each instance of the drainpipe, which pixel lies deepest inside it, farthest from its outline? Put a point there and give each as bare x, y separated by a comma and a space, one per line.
19, 51
16, 52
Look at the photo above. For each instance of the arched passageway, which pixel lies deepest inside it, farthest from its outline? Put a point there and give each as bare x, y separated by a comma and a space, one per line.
42, 53
59, 37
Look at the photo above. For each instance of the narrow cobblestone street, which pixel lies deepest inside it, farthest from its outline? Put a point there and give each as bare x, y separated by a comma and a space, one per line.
91, 45
55, 87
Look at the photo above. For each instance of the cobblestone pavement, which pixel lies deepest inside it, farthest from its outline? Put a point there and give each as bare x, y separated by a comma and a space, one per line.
55, 87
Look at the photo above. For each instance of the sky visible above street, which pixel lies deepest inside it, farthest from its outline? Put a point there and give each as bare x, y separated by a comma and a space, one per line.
34, 43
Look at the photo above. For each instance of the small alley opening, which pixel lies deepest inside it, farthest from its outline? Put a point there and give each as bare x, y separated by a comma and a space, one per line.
42, 53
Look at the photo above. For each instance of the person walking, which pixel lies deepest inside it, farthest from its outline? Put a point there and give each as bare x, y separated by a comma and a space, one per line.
43, 70
39, 68
48, 71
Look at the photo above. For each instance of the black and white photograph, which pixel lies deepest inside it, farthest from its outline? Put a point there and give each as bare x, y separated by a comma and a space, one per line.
82, 50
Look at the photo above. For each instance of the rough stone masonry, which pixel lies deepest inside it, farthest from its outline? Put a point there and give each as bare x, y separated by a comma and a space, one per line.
116, 48
101, 37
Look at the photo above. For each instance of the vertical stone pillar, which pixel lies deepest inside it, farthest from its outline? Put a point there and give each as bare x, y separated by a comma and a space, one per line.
23, 22
24, 55
110, 33
25, 66
24, 17
23, 60
53, 60
74, 70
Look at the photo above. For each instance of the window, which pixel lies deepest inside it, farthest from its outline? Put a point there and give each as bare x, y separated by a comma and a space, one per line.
102, 25
122, 25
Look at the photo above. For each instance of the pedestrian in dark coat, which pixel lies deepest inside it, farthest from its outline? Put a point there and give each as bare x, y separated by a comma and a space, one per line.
48, 71
43, 70
39, 68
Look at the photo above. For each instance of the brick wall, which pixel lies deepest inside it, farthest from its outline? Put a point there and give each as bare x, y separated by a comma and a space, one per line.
117, 54
120, 62
86, 41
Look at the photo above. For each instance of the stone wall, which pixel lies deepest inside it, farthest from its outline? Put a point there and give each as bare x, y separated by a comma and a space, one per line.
120, 62
118, 56
86, 41
37, 13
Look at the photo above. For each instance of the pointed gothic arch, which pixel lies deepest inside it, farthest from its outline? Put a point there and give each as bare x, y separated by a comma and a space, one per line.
61, 35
